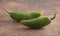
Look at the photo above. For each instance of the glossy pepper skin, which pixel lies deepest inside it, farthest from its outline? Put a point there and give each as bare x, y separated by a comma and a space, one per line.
37, 23
18, 16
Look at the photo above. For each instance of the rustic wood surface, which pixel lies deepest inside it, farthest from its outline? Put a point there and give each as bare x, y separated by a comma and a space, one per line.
9, 27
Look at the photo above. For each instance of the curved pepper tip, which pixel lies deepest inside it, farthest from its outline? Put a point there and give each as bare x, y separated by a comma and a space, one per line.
53, 17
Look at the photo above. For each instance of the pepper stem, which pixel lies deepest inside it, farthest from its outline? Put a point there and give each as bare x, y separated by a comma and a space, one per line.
6, 10
53, 17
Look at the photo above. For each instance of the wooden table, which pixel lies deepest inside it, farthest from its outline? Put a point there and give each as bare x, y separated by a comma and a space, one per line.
9, 27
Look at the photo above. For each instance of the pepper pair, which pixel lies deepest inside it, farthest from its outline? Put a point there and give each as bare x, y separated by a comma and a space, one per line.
30, 19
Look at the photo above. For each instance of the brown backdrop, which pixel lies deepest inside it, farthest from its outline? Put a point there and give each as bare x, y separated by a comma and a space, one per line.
9, 27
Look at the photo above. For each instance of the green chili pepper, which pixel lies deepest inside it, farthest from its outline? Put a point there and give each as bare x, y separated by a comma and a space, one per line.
37, 23
18, 16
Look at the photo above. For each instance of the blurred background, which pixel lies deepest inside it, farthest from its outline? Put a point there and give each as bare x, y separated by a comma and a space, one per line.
8, 27
46, 6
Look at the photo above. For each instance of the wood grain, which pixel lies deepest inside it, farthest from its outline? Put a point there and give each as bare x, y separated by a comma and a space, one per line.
9, 27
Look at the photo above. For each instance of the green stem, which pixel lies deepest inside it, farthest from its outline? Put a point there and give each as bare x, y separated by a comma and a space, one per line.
53, 17
6, 10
